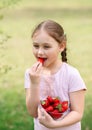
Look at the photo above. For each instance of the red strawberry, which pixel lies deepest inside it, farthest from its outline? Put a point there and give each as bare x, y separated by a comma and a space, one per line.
50, 99
56, 114
45, 103
65, 105
59, 107
62, 110
55, 111
56, 100
55, 105
49, 109
41, 60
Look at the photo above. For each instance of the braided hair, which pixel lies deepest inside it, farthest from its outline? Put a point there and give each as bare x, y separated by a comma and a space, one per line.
56, 31
64, 55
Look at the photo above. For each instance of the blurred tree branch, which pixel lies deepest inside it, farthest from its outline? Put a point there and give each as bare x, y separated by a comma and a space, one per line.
7, 3
4, 68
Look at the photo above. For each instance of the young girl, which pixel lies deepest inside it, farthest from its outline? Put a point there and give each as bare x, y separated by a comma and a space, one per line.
53, 77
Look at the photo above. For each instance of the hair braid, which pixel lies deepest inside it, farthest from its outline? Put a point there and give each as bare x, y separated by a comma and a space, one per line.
64, 55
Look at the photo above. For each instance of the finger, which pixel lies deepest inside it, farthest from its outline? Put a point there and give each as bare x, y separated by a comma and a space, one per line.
44, 113
41, 112
41, 117
35, 66
39, 68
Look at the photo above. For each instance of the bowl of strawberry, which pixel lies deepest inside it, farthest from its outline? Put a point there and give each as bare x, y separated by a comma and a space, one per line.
54, 106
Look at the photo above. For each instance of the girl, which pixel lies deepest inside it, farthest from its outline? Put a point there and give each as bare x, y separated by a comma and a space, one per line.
54, 77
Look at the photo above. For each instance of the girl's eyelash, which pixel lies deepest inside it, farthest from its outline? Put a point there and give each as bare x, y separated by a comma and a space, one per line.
46, 46
35, 45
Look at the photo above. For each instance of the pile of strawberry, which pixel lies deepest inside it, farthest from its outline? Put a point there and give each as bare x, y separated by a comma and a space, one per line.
54, 106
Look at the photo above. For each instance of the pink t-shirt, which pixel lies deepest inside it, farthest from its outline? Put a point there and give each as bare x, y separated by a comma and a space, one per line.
65, 81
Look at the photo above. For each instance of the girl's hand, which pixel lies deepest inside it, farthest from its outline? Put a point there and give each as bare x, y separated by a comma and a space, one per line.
35, 73
45, 119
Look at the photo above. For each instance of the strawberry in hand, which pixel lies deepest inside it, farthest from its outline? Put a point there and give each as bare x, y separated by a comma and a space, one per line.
54, 106
49, 109
64, 105
50, 99
57, 100
56, 114
44, 103
41, 60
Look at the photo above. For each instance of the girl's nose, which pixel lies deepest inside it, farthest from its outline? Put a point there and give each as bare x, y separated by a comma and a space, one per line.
40, 51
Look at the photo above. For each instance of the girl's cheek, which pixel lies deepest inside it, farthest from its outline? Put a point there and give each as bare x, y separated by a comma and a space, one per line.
34, 51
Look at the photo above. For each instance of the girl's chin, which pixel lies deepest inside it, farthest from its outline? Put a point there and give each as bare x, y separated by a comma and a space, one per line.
47, 65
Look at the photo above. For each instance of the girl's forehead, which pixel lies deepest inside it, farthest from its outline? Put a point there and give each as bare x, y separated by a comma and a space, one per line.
43, 37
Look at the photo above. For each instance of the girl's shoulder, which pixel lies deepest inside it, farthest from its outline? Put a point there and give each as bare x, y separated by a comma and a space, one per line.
68, 69
73, 77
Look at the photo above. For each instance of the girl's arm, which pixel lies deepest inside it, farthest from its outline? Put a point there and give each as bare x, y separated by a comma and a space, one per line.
32, 93
32, 100
77, 108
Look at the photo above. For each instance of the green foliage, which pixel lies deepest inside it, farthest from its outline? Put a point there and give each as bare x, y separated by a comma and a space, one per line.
13, 114
7, 3
4, 68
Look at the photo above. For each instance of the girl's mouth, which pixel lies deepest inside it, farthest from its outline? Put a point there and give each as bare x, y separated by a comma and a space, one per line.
41, 59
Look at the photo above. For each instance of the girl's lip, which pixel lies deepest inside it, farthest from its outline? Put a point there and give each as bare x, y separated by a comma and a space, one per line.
42, 58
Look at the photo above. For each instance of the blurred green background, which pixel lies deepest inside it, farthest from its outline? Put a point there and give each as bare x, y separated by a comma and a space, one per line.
18, 18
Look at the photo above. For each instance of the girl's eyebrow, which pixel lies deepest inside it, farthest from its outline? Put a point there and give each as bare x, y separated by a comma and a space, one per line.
35, 43
42, 43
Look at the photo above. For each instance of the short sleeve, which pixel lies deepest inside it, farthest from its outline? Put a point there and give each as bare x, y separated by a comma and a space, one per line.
27, 79
76, 82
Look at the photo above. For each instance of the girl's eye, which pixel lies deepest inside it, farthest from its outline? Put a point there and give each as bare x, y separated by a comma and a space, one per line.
46, 47
36, 46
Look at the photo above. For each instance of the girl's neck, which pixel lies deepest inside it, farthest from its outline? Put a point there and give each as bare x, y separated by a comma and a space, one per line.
54, 68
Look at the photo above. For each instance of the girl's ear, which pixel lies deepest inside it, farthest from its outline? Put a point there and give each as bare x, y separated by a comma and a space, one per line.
62, 46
